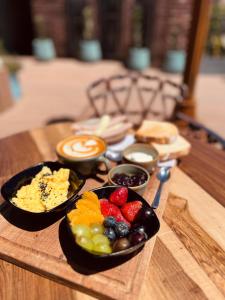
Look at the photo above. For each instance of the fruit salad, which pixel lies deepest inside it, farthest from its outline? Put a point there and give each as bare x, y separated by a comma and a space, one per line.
103, 226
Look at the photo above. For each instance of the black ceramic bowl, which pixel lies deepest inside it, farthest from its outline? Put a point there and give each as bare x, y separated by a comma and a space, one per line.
152, 226
10, 188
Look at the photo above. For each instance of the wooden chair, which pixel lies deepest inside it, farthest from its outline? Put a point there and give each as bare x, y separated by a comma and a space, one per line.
137, 95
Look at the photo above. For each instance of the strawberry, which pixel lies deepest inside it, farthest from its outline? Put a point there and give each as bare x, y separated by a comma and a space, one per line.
131, 209
109, 209
119, 196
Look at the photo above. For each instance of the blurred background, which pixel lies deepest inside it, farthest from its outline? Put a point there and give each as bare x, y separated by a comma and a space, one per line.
51, 51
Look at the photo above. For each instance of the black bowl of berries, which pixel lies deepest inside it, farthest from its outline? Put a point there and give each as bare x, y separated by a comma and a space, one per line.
111, 221
132, 176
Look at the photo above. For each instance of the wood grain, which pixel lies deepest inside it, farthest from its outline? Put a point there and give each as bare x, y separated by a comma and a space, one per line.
180, 287
209, 255
206, 166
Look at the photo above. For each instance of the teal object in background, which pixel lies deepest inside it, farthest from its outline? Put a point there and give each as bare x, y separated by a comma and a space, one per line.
139, 58
15, 86
43, 49
90, 50
175, 61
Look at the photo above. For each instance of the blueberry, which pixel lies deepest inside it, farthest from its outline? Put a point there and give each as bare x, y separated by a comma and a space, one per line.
110, 222
110, 233
121, 229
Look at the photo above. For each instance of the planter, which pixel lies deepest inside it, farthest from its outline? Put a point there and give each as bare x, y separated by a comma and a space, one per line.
175, 61
15, 86
43, 49
90, 50
139, 58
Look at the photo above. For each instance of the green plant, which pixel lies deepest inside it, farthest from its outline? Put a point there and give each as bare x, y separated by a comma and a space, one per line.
137, 25
40, 27
12, 64
88, 23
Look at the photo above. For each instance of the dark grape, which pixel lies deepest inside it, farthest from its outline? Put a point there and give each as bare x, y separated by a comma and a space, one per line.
144, 215
121, 244
138, 228
137, 237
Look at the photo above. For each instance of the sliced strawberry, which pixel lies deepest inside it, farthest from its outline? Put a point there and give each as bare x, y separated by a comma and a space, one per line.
119, 196
109, 209
131, 209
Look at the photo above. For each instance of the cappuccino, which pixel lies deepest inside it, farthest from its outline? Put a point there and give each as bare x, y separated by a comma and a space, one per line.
81, 147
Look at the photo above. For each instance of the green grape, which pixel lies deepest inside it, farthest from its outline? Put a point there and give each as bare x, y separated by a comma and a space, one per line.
85, 243
100, 239
102, 248
81, 230
96, 228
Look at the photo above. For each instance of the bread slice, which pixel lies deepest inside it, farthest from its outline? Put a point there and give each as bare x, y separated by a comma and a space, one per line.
156, 131
175, 150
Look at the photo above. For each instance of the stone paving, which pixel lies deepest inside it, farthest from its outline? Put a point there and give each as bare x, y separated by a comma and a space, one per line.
57, 89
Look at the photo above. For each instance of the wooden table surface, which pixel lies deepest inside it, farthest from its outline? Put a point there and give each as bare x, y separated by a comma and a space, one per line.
188, 260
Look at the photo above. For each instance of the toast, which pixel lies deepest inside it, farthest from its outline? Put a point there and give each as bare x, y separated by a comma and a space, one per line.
158, 132
177, 149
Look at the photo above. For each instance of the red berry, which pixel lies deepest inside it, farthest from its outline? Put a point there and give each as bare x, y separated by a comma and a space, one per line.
119, 196
131, 209
109, 209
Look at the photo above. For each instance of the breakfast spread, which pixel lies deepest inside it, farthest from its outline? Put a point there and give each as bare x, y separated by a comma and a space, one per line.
81, 147
105, 226
47, 190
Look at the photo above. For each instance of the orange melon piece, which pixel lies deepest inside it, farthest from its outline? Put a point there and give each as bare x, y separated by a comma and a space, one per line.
92, 197
87, 218
87, 210
87, 204
71, 214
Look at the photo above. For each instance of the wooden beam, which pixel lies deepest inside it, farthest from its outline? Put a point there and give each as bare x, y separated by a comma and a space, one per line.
197, 37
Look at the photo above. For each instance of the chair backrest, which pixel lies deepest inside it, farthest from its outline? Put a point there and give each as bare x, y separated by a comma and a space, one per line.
136, 95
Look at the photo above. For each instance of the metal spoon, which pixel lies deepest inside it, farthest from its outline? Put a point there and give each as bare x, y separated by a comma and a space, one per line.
113, 155
163, 175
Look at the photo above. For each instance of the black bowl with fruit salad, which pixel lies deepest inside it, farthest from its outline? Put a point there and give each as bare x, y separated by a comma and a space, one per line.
111, 221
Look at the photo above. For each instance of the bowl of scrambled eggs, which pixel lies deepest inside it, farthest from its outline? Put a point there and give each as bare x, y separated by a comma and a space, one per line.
44, 188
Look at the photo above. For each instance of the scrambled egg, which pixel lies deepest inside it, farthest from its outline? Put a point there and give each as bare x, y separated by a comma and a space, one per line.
47, 190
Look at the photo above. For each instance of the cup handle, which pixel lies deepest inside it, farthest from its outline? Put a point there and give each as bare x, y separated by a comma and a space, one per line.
106, 162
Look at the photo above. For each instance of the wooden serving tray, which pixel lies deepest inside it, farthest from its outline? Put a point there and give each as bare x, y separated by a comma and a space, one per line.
47, 251
45, 247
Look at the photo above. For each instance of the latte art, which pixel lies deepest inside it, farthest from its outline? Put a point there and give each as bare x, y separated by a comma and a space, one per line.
81, 147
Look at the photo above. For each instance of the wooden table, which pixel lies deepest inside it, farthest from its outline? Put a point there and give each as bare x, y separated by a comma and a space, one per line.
188, 260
